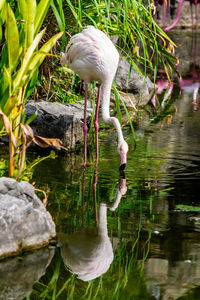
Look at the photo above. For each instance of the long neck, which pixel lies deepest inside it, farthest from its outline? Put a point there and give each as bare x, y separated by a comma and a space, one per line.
177, 17
102, 227
105, 109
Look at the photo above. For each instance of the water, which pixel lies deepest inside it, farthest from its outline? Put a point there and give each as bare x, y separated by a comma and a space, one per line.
145, 247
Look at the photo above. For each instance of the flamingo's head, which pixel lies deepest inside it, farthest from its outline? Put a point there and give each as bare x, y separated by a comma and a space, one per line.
63, 58
123, 149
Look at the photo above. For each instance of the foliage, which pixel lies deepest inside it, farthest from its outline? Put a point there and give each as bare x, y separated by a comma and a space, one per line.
188, 208
20, 60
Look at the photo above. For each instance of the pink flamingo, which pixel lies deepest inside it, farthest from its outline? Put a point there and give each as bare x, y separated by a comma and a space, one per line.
191, 85
195, 2
88, 252
93, 56
164, 5
162, 85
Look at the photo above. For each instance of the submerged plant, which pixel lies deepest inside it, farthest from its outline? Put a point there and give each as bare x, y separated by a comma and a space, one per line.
19, 63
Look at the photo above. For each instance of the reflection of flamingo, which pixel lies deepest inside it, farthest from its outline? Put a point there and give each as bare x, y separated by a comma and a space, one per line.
191, 84
88, 253
195, 2
163, 3
162, 84
93, 56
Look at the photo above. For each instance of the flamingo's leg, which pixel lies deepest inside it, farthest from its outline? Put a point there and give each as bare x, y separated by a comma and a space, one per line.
169, 12
95, 195
85, 128
191, 13
180, 3
164, 14
196, 14
96, 125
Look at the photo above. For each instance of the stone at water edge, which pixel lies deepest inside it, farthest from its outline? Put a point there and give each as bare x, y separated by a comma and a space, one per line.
24, 221
57, 120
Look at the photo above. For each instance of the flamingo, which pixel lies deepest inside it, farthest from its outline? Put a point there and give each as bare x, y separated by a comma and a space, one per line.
93, 56
180, 3
164, 4
88, 252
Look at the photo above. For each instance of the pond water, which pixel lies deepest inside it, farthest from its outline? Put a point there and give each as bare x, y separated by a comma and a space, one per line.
135, 234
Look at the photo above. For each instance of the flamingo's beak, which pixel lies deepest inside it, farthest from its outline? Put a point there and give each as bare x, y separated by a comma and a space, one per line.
62, 58
122, 161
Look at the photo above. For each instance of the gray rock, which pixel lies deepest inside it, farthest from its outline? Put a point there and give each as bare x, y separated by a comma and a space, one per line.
18, 276
24, 221
137, 84
56, 120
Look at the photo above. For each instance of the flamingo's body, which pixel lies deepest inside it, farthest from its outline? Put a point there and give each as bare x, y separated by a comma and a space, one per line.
93, 56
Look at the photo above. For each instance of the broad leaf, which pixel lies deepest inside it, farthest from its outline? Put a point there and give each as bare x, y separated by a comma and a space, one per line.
1, 4
19, 80
41, 12
43, 52
12, 38
31, 6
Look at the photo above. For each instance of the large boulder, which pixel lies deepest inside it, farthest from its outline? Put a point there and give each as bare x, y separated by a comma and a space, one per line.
138, 88
24, 221
56, 120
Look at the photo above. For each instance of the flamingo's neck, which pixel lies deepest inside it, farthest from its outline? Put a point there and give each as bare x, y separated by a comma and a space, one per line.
177, 16
102, 227
105, 109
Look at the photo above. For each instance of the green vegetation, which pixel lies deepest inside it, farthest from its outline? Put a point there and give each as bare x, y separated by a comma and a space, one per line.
20, 61
188, 208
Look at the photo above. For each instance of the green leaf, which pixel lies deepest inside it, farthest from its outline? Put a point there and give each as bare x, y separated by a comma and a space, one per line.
31, 118
43, 52
31, 84
188, 208
4, 89
41, 12
2, 4
19, 80
60, 18
31, 7
22, 6
12, 39
1, 33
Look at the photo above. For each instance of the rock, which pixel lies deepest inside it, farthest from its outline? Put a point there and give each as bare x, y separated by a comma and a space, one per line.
18, 276
24, 221
56, 120
137, 84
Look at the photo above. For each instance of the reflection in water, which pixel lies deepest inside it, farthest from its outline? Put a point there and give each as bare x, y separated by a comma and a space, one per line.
88, 252
180, 3
163, 85
191, 81
18, 276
